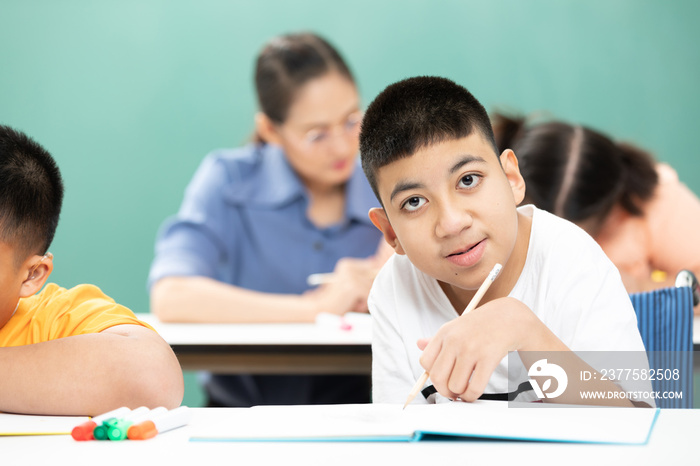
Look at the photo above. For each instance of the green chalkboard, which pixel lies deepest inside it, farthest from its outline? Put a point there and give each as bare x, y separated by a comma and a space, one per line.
130, 95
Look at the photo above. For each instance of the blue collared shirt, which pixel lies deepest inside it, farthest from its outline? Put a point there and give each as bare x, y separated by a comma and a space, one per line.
243, 221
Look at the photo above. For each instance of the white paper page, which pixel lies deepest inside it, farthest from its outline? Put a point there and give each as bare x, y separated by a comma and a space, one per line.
543, 422
481, 419
25, 424
314, 421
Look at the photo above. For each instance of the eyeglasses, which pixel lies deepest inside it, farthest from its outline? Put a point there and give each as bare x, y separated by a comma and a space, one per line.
319, 137
48, 255
349, 126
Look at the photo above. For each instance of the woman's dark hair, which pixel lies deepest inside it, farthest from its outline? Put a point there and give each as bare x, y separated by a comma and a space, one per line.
575, 172
288, 62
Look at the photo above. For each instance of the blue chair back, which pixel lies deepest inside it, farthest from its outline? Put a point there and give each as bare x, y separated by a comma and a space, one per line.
665, 321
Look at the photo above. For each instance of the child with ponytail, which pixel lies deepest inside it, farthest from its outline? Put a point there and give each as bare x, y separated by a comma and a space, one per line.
637, 209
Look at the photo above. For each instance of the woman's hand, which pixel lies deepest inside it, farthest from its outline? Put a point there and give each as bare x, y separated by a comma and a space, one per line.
348, 289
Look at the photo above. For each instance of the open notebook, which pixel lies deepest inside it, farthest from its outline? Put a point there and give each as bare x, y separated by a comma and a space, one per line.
389, 423
26, 424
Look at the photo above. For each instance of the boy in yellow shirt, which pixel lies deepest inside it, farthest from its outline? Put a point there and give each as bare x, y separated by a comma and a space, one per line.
70, 352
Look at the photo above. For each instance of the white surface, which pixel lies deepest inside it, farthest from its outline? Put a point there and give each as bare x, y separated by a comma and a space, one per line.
673, 440
329, 331
488, 419
24, 424
266, 334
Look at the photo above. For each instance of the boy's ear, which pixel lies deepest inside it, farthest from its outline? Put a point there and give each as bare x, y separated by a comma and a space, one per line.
509, 162
266, 129
381, 221
38, 269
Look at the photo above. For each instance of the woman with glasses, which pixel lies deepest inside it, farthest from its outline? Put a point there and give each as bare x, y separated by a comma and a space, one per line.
257, 221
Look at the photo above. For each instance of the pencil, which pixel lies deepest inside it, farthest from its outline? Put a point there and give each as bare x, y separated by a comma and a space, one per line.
316, 279
319, 278
470, 307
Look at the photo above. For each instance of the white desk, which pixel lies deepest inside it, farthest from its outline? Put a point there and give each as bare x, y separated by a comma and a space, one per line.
673, 441
282, 348
271, 348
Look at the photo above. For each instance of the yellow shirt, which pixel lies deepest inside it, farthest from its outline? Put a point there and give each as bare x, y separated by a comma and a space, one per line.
57, 313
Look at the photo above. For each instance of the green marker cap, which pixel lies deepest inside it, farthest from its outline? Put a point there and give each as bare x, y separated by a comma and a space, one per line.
100, 432
118, 429
112, 421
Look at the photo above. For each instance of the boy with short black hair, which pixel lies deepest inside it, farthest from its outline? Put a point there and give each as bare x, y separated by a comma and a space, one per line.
72, 352
450, 213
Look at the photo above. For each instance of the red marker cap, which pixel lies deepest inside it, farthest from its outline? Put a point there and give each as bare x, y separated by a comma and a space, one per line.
142, 431
83, 431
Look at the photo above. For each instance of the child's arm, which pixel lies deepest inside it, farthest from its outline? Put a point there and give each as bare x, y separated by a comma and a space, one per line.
463, 354
203, 299
673, 219
125, 365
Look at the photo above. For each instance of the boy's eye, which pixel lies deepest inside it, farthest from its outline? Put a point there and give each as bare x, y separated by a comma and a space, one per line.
413, 203
469, 181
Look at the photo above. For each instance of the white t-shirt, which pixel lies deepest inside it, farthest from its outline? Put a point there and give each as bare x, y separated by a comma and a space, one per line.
567, 281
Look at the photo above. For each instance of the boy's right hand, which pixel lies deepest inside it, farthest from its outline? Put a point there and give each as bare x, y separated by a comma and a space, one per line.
463, 354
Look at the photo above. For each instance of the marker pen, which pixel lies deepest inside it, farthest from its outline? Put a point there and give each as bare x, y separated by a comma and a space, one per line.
101, 432
84, 430
118, 430
173, 419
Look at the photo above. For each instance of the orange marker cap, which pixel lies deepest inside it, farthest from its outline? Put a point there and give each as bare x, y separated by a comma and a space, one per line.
142, 431
83, 431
